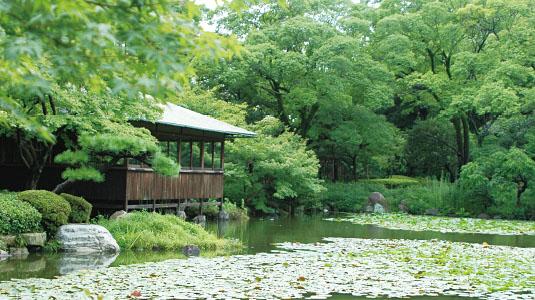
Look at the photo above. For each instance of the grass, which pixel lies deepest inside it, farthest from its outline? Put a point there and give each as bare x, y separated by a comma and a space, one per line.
153, 231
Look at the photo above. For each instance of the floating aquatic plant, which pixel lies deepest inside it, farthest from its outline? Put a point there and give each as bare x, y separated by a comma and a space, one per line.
442, 224
360, 267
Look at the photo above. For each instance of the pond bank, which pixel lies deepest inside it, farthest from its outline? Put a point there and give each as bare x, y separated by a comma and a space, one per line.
360, 267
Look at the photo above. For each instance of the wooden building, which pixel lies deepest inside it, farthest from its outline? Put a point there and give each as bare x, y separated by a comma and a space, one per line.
195, 141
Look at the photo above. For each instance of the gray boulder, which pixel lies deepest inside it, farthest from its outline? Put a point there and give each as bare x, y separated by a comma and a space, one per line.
378, 209
4, 254
191, 250
376, 197
118, 214
369, 209
85, 238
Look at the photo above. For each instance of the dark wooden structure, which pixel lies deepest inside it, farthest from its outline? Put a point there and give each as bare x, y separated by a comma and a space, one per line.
195, 141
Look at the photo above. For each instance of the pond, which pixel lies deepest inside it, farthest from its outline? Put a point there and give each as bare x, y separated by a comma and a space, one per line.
258, 235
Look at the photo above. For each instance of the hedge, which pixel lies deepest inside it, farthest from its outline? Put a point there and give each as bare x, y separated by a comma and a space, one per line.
16, 216
54, 209
80, 208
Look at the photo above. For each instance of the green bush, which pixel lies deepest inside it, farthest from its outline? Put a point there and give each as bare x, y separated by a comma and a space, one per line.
17, 216
349, 197
153, 231
54, 209
80, 208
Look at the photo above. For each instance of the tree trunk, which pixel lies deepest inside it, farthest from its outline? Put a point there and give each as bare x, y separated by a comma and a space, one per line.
62, 187
354, 162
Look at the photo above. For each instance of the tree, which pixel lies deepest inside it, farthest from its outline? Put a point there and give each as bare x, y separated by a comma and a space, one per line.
273, 170
110, 49
501, 179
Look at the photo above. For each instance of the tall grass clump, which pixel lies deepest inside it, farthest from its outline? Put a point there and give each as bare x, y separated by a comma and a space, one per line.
430, 194
153, 231
349, 197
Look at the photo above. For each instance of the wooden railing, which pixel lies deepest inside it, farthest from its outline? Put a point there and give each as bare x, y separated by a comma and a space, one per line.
144, 184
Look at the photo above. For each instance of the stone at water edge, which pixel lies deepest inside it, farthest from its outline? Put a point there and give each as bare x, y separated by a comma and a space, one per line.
85, 238
200, 219
181, 214
378, 209
4, 254
369, 209
403, 207
191, 250
19, 252
223, 215
431, 212
37, 239
118, 214
376, 197
483, 216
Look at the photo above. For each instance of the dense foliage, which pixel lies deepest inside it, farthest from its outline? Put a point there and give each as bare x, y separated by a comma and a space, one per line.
54, 209
440, 89
275, 170
17, 216
80, 208
153, 231
347, 90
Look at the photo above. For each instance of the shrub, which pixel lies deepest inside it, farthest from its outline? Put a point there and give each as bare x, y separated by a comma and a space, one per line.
145, 230
17, 216
54, 209
80, 208
349, 197
235, 212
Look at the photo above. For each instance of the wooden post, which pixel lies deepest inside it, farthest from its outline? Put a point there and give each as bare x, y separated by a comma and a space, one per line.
213, 150
179, 150
222, 155
202, 155
191, 154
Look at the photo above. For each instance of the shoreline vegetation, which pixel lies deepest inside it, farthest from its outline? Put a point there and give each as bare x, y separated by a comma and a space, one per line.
140, 231
402, 221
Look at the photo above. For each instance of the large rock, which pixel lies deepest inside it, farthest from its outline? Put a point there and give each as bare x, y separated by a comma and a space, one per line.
118, 214
374, 199
85, 238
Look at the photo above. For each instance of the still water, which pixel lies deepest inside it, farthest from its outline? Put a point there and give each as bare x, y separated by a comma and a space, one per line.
258, 235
